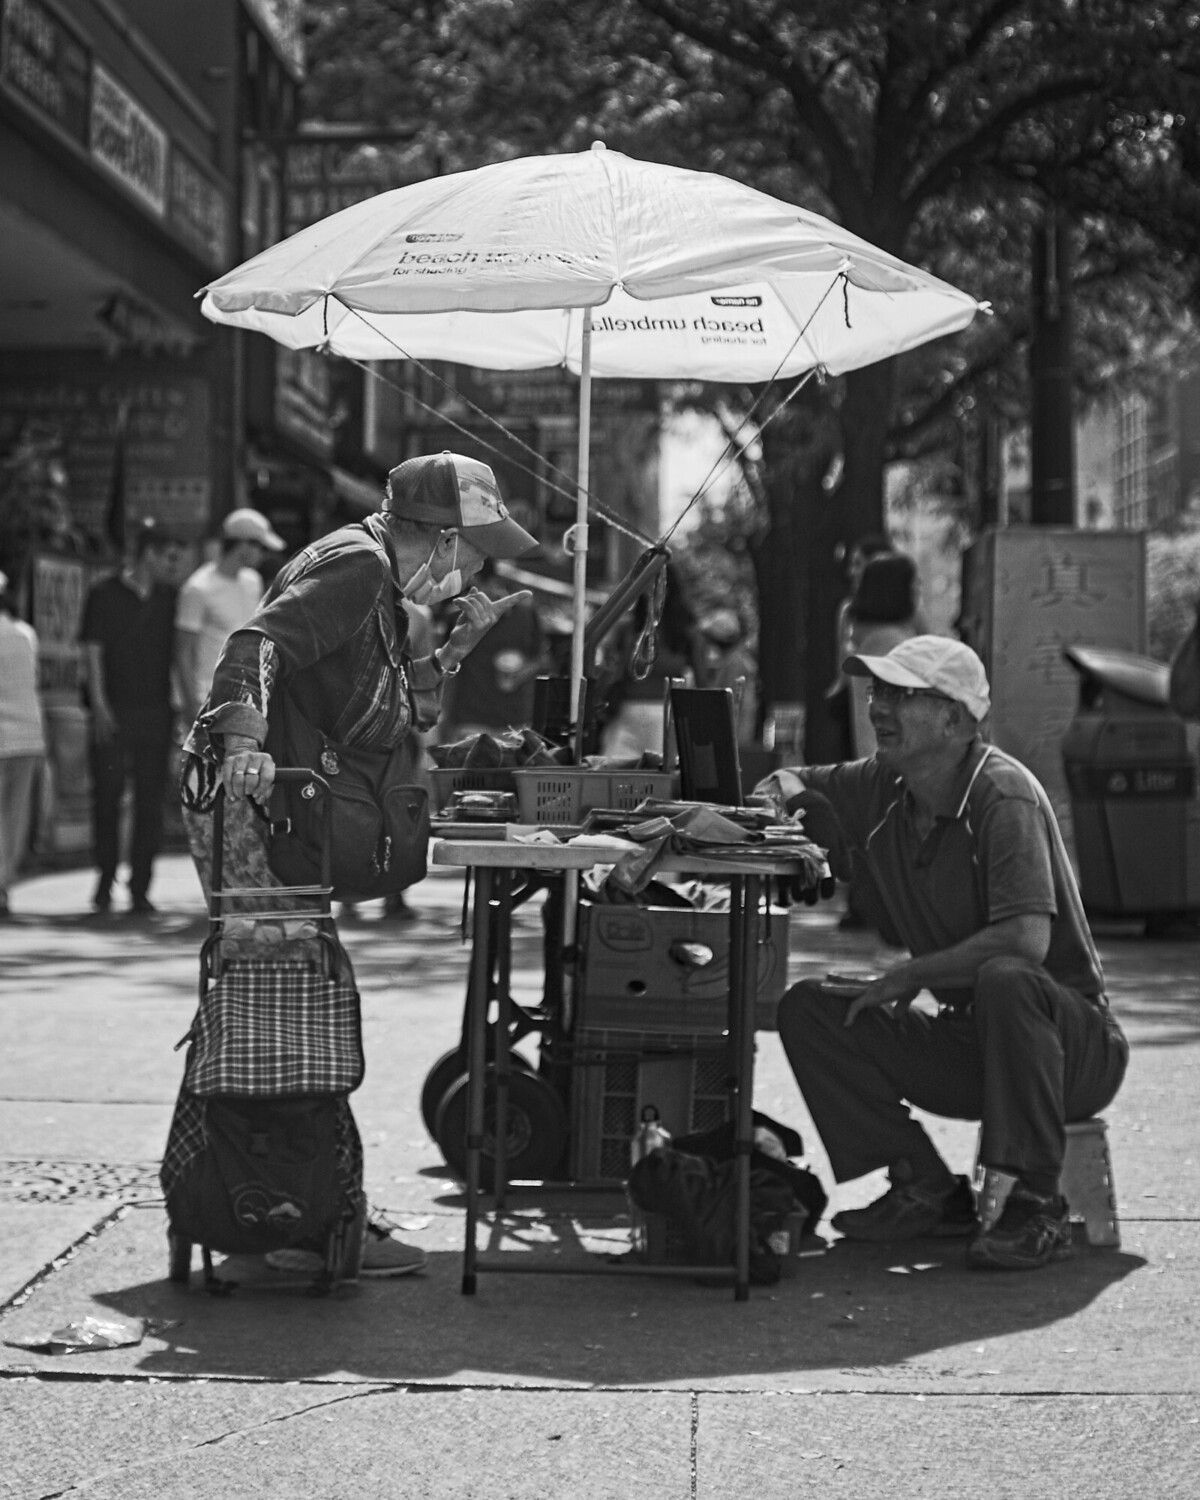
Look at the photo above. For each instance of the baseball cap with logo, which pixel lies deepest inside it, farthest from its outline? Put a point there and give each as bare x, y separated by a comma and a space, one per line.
930, 661
458, 494
249, 525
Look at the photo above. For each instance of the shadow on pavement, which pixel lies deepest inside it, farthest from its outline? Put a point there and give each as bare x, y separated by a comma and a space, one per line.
848, 1309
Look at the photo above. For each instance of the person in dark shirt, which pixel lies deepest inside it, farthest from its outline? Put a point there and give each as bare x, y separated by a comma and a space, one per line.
128, 629
335, 635
969, 863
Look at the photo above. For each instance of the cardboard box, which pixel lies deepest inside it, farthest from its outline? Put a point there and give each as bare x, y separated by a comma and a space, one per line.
663, 970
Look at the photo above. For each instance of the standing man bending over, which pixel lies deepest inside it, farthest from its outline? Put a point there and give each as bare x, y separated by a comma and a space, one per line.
971, 868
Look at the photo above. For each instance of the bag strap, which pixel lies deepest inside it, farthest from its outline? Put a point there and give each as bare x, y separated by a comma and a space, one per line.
388, 558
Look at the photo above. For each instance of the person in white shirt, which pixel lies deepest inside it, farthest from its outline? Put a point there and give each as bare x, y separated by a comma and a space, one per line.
22, 738
218, 599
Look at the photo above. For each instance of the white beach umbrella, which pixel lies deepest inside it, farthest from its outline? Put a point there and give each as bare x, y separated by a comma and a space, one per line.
594, 261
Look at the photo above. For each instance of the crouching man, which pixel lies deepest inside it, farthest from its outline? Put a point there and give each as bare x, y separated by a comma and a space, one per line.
974, 879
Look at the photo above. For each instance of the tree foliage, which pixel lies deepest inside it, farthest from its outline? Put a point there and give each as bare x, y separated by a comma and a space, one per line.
938, 129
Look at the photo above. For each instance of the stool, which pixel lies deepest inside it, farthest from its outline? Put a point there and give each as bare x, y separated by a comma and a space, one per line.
1086, 1183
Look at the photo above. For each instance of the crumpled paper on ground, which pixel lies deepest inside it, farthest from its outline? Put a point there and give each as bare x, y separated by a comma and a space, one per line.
90, 1332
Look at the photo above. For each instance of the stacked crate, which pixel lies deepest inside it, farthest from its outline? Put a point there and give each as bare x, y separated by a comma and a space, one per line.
649, 1024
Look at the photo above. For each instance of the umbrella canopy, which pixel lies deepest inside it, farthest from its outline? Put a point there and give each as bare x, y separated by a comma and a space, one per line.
698, 277
596, 261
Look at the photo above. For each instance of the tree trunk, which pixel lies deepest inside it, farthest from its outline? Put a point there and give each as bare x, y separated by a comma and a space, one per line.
836, 520
798, 446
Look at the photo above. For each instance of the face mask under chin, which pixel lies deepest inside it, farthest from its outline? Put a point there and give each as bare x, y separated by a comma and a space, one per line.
423, 588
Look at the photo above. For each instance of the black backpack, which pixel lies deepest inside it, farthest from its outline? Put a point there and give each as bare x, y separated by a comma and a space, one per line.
380, 816
694, 1184
246, 1176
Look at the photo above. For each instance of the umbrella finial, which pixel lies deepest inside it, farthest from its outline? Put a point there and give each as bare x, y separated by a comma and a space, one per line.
599, 146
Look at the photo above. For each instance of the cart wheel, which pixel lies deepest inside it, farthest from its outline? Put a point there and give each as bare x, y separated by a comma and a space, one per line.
537, 1128
450, 1066
179, 1258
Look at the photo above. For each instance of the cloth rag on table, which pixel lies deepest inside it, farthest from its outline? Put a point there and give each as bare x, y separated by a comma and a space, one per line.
699, 829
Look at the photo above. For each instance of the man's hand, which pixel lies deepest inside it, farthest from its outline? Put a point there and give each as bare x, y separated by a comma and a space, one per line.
246, 770
777, 790
477, 615
888, 989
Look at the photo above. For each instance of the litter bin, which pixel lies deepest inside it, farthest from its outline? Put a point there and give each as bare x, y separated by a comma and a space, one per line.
1131, 772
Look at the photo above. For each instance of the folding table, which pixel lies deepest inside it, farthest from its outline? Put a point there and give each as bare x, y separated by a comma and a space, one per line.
495, 864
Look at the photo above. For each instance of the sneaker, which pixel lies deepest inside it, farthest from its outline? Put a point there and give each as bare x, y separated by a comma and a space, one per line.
307, 1262
382, 1256
142, 906
102, 900
912, 1210
1029, 1233
385, 1256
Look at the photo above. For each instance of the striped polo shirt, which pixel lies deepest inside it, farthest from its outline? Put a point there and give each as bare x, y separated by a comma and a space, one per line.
998, 853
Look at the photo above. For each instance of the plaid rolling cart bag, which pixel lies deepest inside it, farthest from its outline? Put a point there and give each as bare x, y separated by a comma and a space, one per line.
263, 1153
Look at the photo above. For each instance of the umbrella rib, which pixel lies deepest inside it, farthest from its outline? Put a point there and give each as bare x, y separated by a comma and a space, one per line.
727, 451
605, 512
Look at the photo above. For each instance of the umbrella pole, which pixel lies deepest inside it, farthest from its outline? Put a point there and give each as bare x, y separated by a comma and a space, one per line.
578, 665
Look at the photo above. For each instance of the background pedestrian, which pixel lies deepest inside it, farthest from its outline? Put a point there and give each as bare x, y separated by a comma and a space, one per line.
128, 629
22, 738
881, 613
217, 599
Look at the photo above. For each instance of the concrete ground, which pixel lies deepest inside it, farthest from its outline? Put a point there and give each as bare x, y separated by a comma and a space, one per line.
869, 1370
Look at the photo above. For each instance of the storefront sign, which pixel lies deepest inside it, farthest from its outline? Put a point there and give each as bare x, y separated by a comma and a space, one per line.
168, 452
282, 20
59, 588
54, 75
322, 177
302, 399
197, 211
43, 64
136, 326
128, 141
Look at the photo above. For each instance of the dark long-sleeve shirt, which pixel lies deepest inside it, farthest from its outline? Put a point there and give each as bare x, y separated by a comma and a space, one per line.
333, 629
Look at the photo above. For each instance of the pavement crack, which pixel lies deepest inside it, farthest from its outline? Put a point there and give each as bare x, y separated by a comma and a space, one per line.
23, 1294
694, 1445
78, 1486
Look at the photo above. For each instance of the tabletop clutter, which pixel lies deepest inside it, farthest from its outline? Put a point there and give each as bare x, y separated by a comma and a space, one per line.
645, 1058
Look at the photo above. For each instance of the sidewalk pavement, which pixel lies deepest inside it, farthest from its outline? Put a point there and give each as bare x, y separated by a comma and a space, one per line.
871, 1370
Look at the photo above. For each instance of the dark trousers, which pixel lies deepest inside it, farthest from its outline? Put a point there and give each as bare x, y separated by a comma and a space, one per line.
138, 752
1028, 1056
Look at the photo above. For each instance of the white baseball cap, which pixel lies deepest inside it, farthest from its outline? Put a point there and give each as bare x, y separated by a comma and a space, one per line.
249, 525
936, 662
